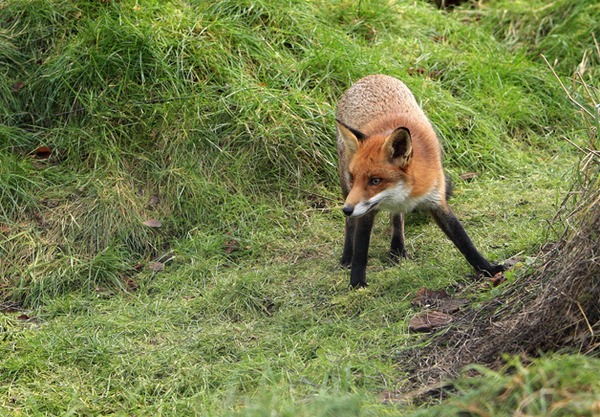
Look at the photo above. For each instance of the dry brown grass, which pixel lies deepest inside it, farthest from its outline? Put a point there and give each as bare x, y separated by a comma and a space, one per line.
555, 307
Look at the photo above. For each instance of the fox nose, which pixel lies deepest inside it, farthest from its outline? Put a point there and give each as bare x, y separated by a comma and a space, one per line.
348, 210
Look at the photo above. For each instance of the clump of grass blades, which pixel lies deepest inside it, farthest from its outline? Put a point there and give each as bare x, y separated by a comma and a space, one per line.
17, 186
549, 29
219, 111
553, 387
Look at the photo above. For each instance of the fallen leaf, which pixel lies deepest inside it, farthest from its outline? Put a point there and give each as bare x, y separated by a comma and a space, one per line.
153, 223
452, 305
426, 297
132, 285
497, 279
16, 87
412, 71
431, 74
231, 245
428, 321
43, 152
439, 300
466, 176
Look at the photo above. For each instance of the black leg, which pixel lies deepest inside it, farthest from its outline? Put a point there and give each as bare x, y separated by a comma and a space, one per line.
397, 248
362, 238
346, 260
451, 226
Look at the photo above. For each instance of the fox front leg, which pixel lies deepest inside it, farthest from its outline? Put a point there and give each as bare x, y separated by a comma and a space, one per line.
362, 237
451, 226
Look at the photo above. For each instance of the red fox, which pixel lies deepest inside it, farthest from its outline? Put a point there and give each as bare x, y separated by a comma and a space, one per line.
390, 159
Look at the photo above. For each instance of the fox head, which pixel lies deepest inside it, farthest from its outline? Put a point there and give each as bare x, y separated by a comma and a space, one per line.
377, 169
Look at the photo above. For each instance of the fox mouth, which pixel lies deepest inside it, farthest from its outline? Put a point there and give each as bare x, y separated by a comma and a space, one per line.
360, 209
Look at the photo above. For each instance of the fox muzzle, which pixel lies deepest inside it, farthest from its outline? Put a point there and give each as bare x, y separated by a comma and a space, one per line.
348, 210
359, 209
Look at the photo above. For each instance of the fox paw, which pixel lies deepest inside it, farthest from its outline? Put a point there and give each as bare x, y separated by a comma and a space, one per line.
493, 269
397, 255
345, 262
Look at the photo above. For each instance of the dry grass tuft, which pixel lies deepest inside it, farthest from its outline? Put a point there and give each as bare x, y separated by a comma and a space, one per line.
555, 307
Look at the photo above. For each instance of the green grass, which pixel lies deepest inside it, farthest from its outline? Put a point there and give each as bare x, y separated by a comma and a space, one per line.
558, 386
216, 119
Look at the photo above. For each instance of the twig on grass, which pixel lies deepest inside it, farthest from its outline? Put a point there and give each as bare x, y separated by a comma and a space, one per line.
579, 105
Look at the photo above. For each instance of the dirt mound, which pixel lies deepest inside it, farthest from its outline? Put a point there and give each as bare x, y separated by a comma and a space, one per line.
555, 307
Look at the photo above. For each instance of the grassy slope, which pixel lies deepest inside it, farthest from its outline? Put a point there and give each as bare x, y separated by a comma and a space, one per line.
217, 121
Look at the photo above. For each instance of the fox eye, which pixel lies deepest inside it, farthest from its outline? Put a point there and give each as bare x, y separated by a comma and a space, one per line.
375, 181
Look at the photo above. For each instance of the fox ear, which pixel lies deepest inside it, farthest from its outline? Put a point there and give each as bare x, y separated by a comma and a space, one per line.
350, 136
399, 147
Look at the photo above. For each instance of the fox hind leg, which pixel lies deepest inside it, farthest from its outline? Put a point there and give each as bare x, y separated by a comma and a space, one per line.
397, 247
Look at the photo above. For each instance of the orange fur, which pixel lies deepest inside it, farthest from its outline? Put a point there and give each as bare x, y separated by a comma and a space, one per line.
387, 105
